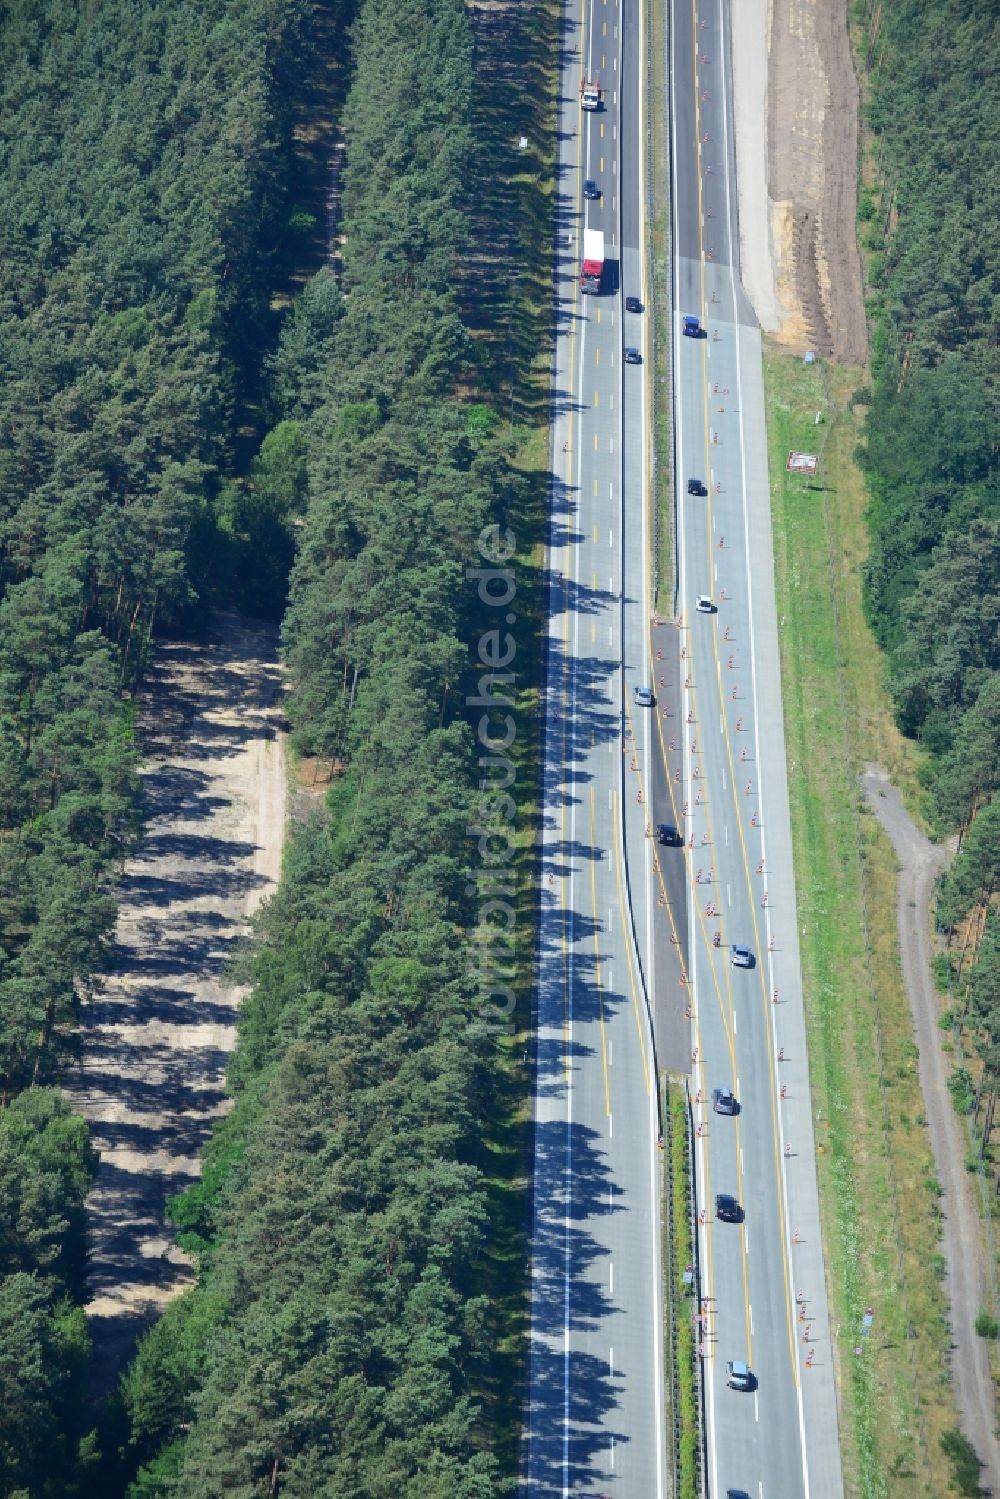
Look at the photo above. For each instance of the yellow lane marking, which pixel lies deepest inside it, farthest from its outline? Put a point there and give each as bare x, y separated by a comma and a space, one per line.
628, 944
782, 1203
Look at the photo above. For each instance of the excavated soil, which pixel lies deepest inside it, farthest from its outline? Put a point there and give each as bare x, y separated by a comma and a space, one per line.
156, 1036
800, 255
813, 174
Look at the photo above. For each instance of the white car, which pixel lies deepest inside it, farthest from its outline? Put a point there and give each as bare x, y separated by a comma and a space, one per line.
705, 605
739, 1376
644, 697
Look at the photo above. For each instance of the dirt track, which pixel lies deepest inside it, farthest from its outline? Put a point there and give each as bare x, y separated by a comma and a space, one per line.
961, 1237
156, 1037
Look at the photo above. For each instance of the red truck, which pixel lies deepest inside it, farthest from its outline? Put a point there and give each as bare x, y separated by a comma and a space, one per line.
593, 260
591, 93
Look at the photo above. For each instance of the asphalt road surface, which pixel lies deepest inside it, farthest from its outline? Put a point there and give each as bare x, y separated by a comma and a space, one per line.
616, 908
763, 1286
595, 1419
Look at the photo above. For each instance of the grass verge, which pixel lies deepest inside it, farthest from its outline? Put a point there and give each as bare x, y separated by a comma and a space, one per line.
680, 1361
878, 1192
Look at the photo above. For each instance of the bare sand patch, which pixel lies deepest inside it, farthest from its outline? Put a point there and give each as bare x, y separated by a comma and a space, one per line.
157, 1034
798, 213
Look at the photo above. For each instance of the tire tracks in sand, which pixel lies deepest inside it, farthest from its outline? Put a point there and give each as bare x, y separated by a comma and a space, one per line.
156, 1036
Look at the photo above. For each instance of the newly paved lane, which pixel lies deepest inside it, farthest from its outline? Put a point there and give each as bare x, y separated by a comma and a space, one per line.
781, 1438
594, 1422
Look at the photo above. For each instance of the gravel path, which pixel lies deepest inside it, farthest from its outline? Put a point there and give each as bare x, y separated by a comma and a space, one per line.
156, 1037
961, 1237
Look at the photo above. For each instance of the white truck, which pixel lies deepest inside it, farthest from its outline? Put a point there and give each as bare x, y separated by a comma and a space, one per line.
591, 93
593, 260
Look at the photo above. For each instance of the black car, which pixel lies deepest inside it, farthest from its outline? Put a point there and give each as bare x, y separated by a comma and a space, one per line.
667, 833
632, 355
695, 486
724, 1101
591, 189
632, 304
727, 1209
737, 1494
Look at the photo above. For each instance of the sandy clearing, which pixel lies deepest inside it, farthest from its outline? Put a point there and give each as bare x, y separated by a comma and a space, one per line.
157, 1034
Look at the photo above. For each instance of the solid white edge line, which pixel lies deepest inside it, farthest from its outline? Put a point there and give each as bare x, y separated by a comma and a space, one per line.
568, 1152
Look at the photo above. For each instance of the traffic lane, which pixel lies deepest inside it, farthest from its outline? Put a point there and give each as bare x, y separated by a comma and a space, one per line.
736, 578
635, 624
609, 1296
725, 809
728, 210
671, 962
552, 966
555, 1134
599, 151
714, 565
633, 1327
682, 74
635, 429
581, 721
631, 1264
710, 136
637, 1467
607, 323
625, 1272
698, 122
578, 1144
632, 131
754, 1430
618, 1334
774, 1351
739, 1414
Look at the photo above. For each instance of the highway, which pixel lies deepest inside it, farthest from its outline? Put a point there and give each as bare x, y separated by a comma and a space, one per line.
595, 1418
616, 910
763, 1280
